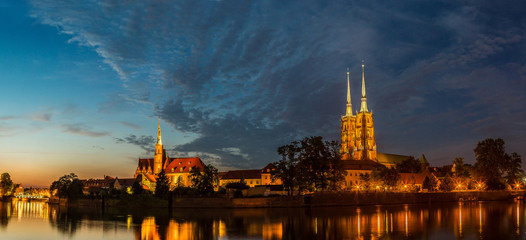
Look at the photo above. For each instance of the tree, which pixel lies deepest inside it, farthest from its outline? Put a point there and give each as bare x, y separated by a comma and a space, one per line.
514, 169
312, 165
238, 187
429, 183
162, 185
388, 176
204, 182
286, 168
446, 184
492, 162
365, 179
410, 165
336, 173
461, 170
6, 184
67, 186
137, 188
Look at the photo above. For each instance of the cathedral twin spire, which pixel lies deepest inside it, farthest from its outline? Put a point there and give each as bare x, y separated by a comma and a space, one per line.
363, 107
159, 140
364, 99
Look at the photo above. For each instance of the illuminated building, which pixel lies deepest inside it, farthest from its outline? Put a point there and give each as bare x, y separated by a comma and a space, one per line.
253, 177
176, 169
357, 132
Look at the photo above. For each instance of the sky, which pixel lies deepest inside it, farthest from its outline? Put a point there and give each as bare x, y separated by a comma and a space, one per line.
83, 83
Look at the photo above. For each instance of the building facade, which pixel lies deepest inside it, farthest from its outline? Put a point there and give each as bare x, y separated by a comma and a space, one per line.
357, 131
176, 169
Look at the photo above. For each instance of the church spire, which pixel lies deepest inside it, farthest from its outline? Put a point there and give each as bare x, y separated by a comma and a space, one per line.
349, 105
364, 98
159, 140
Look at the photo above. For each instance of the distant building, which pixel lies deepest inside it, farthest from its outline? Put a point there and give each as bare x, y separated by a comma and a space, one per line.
253, 177
176, 169
94, 186
354, 169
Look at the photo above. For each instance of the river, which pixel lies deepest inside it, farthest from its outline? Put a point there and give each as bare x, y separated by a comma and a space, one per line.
475, 220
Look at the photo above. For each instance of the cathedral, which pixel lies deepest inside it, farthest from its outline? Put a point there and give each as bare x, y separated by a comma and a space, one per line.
176, 169
358, 142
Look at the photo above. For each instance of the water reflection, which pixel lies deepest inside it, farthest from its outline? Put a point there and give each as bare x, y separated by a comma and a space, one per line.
483, 220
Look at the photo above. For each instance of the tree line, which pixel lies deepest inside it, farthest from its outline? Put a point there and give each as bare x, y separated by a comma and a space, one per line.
313, 164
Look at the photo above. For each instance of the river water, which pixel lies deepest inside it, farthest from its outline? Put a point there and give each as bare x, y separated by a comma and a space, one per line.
476, 220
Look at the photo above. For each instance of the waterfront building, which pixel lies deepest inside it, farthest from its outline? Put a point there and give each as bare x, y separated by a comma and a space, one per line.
252, 177
176, 169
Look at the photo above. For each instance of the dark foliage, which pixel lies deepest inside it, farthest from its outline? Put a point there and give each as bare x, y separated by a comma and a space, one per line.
410, 165
68, 186
312, 165
162, 185
204, 181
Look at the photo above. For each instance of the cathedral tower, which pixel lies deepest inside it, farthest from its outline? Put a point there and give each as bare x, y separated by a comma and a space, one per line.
158, 157
358, 142
348, 127
365, 141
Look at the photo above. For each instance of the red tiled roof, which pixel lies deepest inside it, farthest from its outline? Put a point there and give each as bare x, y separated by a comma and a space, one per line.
359, 164
270, 167
127, 181
184, 165
410, 178
245, 174
145, 163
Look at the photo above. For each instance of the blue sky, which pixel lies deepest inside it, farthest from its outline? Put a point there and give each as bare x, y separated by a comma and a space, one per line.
82, 83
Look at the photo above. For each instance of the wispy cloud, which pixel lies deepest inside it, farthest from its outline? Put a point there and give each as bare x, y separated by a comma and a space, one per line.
131, 125
144, 142
249, 76
82, 129
42, 116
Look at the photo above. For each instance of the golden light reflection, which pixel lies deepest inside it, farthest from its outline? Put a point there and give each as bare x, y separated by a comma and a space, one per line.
273, 230
32, 209
316, 225
129, 221
386, 223
406, 225
378, 221
149, 229
480, 218
359, 230
460, 219
518, 221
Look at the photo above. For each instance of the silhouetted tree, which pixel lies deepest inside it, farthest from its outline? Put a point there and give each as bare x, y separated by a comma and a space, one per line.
312, 164
388, 176
410, 165
286, 168
204, 181
514, 169
447, 183
162, 186
492, 162
137, 188
6, 184
68, 186
429, 183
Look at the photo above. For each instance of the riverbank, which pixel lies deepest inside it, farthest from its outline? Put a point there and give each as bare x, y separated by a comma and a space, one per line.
310, 200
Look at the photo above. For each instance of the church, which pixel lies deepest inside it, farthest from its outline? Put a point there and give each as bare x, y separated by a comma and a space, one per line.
176, 169
357, 131
358, 144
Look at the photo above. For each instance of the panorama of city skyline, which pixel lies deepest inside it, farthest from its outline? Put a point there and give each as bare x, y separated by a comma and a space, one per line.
84, 83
